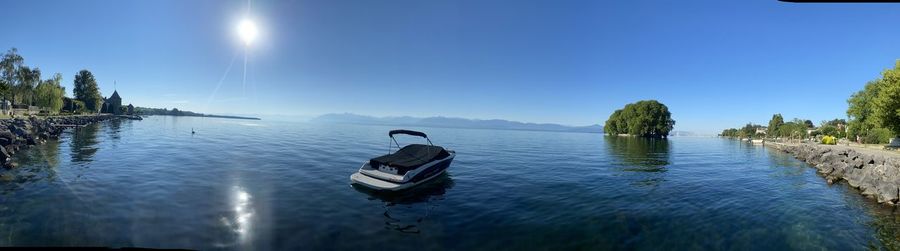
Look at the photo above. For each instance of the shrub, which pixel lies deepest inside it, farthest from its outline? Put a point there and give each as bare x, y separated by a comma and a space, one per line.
79, 106
877, 136
831, 131
829, 140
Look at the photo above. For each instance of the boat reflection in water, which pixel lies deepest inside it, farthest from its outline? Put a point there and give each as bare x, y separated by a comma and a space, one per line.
405, 210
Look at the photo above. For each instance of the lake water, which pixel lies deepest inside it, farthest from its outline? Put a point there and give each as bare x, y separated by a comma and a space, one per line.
240, 184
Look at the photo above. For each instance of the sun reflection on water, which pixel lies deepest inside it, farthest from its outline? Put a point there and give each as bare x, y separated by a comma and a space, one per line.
241, 221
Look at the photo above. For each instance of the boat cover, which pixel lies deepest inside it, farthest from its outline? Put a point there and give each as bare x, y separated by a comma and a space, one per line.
410, 157
407, 132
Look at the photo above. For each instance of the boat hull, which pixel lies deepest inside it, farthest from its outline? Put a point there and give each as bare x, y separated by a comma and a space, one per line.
378, 180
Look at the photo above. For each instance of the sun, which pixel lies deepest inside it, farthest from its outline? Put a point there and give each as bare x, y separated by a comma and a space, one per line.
247, 31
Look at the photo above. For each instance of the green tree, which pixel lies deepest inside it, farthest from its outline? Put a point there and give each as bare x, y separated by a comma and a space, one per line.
646, 118
861, 109
9, 70
87, 91
749, 131
28, 78
612, 124
730, 132
792, 129
835, 122
887, 101
829, 130
774, 123
49, 93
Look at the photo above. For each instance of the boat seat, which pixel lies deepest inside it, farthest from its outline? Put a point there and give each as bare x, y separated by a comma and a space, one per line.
410, 157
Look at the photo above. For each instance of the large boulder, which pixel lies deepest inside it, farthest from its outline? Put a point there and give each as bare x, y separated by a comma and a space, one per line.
879, 159
853, 177
887, 192
4, 155
868, 181
838, 172
825, 168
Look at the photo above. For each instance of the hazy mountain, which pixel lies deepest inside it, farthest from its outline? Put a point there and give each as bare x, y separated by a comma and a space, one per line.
682, 134
350, 118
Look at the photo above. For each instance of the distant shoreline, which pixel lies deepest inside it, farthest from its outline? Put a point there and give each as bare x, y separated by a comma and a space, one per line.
209, 116
454, 127
141, 111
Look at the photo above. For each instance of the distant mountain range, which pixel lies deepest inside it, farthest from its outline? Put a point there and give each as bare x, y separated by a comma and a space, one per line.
349, 118
682, 134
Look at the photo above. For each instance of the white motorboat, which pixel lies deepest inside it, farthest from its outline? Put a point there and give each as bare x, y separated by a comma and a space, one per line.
409, 166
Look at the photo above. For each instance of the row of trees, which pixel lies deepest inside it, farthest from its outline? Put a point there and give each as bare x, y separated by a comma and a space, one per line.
164, 111
795, 128
874, 111
646, 118
23, 85
834, 128
777, 128
749, 130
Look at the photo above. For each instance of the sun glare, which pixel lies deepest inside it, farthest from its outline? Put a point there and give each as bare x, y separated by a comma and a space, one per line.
247, 31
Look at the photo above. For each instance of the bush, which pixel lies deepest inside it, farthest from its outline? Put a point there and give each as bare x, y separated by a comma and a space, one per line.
878, 136
831, 131
80, 107
829, 140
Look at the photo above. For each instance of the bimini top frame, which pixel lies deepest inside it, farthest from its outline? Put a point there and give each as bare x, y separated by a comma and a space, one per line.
407, 132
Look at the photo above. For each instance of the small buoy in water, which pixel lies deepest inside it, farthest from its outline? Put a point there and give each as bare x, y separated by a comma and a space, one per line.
192, 131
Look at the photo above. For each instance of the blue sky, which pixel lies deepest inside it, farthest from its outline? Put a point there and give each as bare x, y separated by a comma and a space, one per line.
716, 64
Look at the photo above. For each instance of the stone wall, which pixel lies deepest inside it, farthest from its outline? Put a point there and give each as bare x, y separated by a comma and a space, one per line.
876, 176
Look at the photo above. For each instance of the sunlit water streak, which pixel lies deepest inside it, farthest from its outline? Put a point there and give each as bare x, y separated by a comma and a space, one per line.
260, 185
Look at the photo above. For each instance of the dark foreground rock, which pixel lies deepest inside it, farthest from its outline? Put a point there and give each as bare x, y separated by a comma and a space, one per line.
875, 175
22, 132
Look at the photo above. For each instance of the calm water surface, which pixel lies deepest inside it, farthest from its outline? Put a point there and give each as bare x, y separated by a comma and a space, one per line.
277, 185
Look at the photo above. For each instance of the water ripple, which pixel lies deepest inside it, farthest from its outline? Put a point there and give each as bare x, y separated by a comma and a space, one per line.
278, 185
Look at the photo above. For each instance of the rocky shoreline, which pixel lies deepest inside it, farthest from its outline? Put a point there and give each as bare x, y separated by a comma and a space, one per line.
876, 176
18, 133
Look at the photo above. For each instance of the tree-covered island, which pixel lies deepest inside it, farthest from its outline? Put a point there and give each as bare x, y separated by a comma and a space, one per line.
645, 118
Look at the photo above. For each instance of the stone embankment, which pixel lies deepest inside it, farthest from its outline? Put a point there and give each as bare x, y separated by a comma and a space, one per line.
22, 132
876, 175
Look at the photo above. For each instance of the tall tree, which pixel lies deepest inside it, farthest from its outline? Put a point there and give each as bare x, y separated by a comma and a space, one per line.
749, 130
49, 93
9, 70
774, 123
87, 91
861, 108
792, 129
887, 103
28, 78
